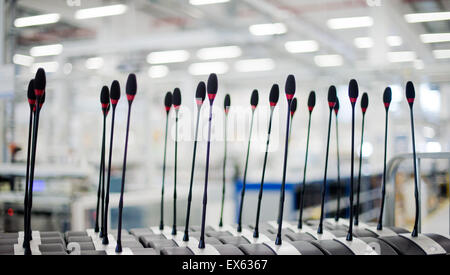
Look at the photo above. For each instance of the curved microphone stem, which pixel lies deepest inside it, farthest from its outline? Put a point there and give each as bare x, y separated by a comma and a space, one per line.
108, 182
161, 223
350, 225
415, 231
239, 228
383, 187
278, 240
174, 226
338, 206
358, 190
27, 176
124, 170
201, 243
100, 177
258, 209
188, 213
302, 196
102, 171
324, 186
223, 172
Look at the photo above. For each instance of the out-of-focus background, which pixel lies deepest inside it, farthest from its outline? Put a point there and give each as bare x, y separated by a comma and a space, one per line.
250, 44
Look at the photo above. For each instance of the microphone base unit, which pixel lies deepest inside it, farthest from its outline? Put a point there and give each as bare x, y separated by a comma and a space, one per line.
284, 249
427, 244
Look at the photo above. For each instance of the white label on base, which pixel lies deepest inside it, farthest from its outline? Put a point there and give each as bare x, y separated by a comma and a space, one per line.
34, 234
179, 241
208, 250
274, 224
357, 246
125, 251
169, 235
156, 230
19, 250
427, 244
248, 235
103, 247
283, 249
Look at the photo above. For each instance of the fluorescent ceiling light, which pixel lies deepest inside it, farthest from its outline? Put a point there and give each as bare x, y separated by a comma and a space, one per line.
100, 11
435, 37
441, 54
433, 146
427, 17
205, 68
168, 57
46, 50
328, 60
23, 60
206, 2
158, 71
49, 67
350, 22
36, 20
302, 46
394, 40
255, 65
219, 52
94, 63
405, 56
363, 42
418, 64
268, 29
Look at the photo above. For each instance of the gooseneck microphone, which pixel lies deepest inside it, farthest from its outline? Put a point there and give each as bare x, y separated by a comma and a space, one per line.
104, 100
254, 103
32, 103
311, 105
168, 105
410, 96
353, 92
130, 89
364, 105
293, 110
176, 106
331, 102
338, 203
115, 96
387, 98
200, 95
290, 92
226, 108
273, 100
211, 87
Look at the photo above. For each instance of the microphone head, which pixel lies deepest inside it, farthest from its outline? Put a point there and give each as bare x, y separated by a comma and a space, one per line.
200, 94
274, 95
168, 101
364, 102
227, 103
42, 101
336, 106
387, 97
39, 82
131, 87
289, 87
293, 106
353, 91
332, 96
176, 99
212, 86
254, 99
311, 101
104, 97
115, 93
410, 93
30, 93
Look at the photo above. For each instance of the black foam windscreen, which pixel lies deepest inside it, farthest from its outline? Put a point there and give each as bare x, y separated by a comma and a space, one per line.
353, 90
364, 101
30, 93
200, 94
312, 100
387, 96
274, 94
115, 92
254, 98
176, 100
336, 106
227, 102
410, 92
290, 86
131, 86
212, 84
104, 95
332, 95
168, 100
293, 106
40, 80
